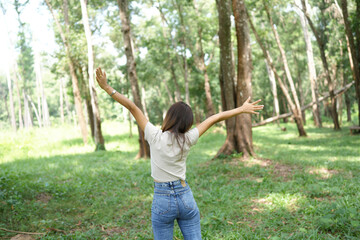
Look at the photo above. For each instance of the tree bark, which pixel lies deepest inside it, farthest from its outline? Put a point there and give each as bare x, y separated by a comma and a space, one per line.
75, 81
312, 70
321, 46
98, 137
296, 112
244, 90
355, 66
226, 77
144, 151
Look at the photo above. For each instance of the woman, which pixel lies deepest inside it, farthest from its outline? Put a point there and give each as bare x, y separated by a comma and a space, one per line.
169, 148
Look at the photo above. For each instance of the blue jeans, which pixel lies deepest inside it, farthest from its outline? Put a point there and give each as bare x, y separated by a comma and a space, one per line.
173, 201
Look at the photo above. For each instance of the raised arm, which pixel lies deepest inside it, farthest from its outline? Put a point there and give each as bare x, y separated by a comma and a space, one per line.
247, 107
134, 110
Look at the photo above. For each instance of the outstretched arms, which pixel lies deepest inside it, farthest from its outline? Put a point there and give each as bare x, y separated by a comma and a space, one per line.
134, 110
247, 107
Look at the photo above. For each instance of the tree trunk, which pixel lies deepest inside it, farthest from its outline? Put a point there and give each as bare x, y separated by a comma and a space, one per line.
184, 42
295, 111
200, 62
299, 86
144, 151
98, 137
27, 116
355, 66
243, 91
143, 101
312, 71
75, 81
12, 111
61, 93
342, 82
35, 110
321, 46
171, 99
273, 89
226, 77
298, 116
67, 105
21, 120
90, 113
44, 109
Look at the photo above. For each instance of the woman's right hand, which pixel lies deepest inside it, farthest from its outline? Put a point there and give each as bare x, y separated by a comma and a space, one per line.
101, 78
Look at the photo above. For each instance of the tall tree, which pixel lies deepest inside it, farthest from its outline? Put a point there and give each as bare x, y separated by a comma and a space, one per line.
166, 35
244, 71
311, 69
321, 45
239, 134
184, 42
24, 65
355, 64
286, 68
226, 77
282, 85
200, 62
144, 150
74, 78
42, 102
98, 137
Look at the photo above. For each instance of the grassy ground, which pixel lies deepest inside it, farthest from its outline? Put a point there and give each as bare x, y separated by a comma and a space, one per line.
296, 188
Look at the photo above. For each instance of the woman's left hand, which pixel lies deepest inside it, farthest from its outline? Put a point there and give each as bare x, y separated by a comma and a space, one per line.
251, 108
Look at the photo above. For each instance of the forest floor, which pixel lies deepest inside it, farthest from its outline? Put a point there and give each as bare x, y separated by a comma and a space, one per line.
296, 188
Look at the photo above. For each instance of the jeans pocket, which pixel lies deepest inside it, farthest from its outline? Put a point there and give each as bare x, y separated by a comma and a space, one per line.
188, 200
161, 204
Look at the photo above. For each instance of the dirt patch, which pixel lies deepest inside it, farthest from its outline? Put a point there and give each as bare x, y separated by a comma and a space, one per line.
22, 237
43, 197
284, 171
323, 173
276, 169
254, 161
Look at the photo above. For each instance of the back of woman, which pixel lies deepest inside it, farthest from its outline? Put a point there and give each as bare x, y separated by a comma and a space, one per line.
169, 147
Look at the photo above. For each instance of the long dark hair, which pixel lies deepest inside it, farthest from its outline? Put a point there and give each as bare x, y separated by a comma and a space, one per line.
178, 120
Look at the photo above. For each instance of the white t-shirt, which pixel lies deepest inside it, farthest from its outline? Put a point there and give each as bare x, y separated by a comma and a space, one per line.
167, 162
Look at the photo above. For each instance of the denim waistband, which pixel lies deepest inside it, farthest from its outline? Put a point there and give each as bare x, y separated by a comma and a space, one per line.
169, 184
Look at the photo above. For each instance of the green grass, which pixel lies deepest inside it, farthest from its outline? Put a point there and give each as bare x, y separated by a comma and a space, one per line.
296, 188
